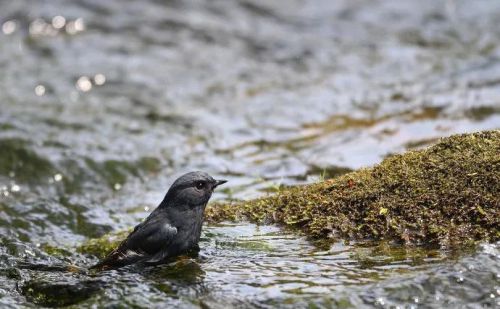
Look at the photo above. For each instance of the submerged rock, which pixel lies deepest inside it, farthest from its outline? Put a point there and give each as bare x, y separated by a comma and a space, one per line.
445, 195
57, 292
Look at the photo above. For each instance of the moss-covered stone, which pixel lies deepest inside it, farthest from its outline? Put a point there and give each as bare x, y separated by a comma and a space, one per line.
444, 195
100, 247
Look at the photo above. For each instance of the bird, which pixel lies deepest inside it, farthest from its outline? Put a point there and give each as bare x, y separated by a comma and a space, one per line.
172, 229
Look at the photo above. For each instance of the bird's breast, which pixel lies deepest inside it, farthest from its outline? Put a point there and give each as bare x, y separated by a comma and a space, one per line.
188, 224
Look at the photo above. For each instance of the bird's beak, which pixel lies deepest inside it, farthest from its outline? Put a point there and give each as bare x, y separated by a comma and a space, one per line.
219, 182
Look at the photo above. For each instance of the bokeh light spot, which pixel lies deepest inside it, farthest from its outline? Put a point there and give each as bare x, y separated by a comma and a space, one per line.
9, 27
84, 84
40, 90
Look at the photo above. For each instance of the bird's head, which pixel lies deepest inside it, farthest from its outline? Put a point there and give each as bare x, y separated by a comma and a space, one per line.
191, 190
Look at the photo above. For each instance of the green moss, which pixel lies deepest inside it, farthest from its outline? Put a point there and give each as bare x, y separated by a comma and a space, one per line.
149, 164
6, 126
100, 247
55, 251
444, 195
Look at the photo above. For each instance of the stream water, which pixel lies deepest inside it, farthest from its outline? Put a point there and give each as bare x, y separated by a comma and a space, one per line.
104, 103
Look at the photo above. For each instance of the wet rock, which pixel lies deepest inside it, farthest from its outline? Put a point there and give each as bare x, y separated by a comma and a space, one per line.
57, 293
11, 273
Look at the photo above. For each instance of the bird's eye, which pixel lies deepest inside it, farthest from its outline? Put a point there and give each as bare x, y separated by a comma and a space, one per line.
200, 185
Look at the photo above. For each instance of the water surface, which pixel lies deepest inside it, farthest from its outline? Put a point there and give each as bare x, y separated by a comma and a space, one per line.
104, 103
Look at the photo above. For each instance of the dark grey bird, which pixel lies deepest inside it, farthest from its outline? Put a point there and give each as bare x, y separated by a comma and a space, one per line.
172, 229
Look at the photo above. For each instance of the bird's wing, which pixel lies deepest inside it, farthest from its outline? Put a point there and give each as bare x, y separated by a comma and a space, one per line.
150, 236
147, 240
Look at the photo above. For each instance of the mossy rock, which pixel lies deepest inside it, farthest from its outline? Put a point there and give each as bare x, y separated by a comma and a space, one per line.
100, 247
445, 195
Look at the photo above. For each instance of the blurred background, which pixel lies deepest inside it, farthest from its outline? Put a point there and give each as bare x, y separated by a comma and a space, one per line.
103, 103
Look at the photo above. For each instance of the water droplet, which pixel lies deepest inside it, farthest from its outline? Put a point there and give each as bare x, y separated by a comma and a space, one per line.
460, 279
15, 188
117, 186
416, 300
146, 208
6, 193
40, 90
83, 84
58, 177
9, 27
58, 22
99, 79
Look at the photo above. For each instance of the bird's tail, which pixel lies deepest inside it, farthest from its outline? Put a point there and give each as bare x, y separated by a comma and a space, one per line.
102, 266
54, 267
117, 259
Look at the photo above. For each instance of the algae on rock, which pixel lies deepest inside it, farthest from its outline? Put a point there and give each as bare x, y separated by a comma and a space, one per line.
444, 195
100, 247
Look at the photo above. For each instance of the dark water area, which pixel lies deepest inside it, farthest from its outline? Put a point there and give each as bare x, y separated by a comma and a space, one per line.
104, 103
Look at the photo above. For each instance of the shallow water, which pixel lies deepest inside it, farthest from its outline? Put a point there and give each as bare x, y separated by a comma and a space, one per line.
101, 109
243, 265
